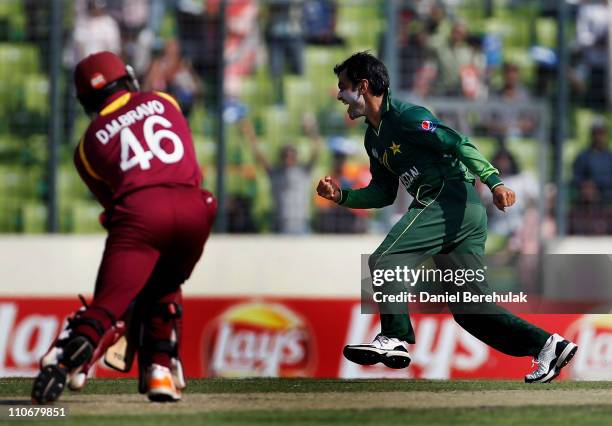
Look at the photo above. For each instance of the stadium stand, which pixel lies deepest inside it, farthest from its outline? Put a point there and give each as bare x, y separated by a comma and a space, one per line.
24, 109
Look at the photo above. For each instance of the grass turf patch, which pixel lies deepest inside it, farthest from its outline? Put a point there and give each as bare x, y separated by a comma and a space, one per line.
21, 387
568, 416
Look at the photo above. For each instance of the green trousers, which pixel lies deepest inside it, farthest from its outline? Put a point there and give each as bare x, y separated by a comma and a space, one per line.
449, 225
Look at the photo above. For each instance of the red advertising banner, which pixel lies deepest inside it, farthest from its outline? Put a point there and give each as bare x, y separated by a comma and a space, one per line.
289, 337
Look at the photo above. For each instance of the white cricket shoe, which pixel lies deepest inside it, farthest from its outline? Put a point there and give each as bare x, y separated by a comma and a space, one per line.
160, 385
389, 350
556, 354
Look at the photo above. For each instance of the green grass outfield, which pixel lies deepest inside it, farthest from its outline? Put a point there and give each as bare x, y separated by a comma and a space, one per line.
332, 402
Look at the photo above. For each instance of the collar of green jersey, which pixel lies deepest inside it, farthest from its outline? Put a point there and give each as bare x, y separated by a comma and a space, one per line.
384, 108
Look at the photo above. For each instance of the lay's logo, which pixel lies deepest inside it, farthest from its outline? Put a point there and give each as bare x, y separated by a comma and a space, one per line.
98, 81
428, 126
259, 339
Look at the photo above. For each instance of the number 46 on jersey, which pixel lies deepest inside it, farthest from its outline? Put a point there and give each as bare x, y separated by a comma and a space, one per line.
153, 139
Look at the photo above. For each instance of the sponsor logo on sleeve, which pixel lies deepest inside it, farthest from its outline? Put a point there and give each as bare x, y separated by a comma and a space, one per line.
428, 126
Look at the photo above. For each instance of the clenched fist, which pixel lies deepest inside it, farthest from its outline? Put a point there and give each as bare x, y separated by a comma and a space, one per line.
329, 189
503, 197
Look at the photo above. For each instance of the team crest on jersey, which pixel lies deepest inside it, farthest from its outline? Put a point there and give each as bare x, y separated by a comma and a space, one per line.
395, 148
428, 126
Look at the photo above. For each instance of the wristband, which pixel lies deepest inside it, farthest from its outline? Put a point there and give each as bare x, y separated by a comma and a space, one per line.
343, 196
493, 181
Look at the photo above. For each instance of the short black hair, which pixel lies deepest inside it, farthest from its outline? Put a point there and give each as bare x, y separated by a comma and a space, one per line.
365, 66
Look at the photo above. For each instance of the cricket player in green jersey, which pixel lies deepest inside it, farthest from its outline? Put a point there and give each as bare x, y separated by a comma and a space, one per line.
407, 144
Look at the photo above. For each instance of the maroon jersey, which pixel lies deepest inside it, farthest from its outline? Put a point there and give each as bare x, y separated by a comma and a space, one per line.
139, 139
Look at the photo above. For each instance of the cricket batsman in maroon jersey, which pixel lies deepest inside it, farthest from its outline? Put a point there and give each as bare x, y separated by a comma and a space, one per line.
137, 158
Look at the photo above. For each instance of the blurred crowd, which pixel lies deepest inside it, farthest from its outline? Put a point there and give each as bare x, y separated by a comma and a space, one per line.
439, 55
179, 63
186, 65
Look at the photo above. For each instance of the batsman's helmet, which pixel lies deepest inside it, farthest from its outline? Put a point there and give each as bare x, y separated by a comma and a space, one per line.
100, 75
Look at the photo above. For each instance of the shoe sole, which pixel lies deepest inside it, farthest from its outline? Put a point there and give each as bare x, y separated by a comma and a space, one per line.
396, 359
362, 356
162, 396
51, 381
49, 384
371, 356
563, 359
77, 352
567, 355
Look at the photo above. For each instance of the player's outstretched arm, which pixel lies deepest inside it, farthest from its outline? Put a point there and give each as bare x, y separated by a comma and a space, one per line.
380, 192
374, 196
503, 197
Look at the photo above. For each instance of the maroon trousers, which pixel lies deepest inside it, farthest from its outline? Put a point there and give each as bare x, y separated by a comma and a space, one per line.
156, 236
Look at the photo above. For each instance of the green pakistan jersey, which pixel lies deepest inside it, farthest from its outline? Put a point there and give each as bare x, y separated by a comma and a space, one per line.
438, 167
413, 147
